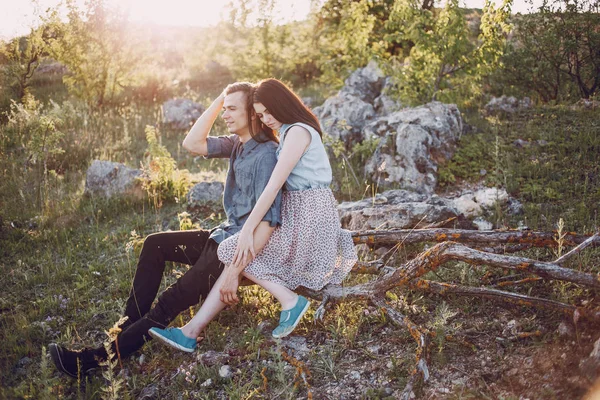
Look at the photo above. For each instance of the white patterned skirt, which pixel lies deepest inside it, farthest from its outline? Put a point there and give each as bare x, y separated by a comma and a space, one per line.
309, 249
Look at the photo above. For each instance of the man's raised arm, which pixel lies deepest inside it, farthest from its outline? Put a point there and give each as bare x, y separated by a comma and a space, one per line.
195, 141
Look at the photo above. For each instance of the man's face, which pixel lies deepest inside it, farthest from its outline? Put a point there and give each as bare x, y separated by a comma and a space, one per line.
235, 113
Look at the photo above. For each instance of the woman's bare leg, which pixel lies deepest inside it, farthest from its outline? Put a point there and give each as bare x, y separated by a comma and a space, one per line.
285, 296
207, 312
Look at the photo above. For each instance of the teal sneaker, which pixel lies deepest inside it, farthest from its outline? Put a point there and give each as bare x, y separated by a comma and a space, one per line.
175, 338
290, 318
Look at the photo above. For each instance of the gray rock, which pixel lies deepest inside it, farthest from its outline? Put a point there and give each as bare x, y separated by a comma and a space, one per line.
565, 330
225, 372
395, 209
344, 115
212, 358
520, 143
414, 141
181, 113
149, 392
205, 193
308, 101
514, 206
108, 179
482, 224
365, 83
296, 343
207, 383
466, 205
355, 375
506, 105
488, 197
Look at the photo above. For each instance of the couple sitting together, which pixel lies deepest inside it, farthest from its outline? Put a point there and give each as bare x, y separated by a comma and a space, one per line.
282, 230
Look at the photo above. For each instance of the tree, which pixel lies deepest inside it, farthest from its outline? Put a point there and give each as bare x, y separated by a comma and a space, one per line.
556, 51
23, 55
443, 62
96, 48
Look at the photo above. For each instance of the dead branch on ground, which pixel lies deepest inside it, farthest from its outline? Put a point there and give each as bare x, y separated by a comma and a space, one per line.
469, 247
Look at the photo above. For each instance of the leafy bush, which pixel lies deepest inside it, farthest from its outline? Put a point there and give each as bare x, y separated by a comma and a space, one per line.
160, 177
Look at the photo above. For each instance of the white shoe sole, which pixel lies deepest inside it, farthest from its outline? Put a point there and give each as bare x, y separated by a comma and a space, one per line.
284, 334
170, 342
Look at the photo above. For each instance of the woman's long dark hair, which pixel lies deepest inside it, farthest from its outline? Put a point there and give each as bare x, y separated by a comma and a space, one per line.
284, 104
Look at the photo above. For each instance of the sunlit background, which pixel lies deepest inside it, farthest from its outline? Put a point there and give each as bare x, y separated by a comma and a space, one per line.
18, 16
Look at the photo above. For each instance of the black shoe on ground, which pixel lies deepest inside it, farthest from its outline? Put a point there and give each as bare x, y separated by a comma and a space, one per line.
73, 363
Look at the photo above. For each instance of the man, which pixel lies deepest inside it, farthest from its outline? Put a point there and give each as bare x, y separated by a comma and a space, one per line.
251, 161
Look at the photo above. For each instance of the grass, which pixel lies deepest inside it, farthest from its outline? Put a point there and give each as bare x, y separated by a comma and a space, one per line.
66, 271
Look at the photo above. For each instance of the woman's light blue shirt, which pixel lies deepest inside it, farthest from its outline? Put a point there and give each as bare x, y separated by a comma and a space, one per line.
313, 170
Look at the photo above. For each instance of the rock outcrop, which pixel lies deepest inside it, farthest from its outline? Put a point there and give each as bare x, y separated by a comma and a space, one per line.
205, 193
414, 141
396, 209
506, 105
181, 113
344, 115
108, 179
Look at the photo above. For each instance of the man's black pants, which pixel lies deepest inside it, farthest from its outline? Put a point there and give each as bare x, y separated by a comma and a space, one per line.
188, 247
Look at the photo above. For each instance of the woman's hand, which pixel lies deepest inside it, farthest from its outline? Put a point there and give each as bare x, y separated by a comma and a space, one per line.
244, 252
228, 290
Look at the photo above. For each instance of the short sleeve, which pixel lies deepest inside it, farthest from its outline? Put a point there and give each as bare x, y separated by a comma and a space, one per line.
220, 146
263, 171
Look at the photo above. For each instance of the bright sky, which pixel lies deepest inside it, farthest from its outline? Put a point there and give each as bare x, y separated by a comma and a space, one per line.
17, 16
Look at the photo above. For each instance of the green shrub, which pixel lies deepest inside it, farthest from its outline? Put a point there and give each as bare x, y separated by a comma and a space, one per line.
160, 177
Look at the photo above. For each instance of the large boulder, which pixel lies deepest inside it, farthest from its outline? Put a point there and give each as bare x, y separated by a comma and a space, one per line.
181, 113
205, 193
344, 115
414, 141
108, 179
396, 209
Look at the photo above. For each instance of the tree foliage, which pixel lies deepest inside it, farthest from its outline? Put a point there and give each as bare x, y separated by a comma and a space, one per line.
22, 57
555, 52
95, 46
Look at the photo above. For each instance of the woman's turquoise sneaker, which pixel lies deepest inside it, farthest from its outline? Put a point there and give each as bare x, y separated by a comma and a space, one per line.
290, 318
174, 337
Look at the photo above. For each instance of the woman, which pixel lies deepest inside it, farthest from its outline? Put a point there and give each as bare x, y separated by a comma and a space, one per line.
309, 248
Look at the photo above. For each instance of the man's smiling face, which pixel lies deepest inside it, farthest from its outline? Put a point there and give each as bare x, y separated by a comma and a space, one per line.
235, 114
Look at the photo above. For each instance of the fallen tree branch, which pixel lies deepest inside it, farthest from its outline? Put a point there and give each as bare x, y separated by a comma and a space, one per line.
576, 250
445, 289
409, 236
409, 274
421, 370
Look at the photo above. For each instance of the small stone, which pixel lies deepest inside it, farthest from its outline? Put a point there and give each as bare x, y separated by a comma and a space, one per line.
355, 375
207, 383
389, 365
482, 224
443, 390
520, 143
565, 330
211, 358
374, 348
522, 227
296, 343
225, 372
482, 172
